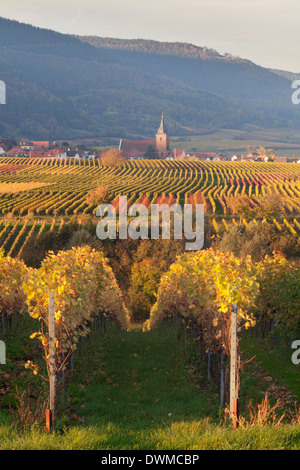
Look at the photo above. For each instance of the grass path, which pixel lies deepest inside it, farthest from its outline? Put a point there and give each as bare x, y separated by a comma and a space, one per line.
134, 391
143, 387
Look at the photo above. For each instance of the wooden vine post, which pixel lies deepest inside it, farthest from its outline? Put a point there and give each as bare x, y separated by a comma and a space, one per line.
234, 399
50, 413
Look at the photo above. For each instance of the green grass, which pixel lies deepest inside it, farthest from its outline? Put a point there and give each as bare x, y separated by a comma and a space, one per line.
143, 382
197, 435
135, 391
285, 142
276, 360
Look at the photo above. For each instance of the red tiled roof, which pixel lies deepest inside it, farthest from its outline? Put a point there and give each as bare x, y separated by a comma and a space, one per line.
127, 146
52, 153
16, 151
36, 153
41, 143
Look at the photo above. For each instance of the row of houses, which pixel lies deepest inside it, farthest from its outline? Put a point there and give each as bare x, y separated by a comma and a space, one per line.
43, 149
131, 149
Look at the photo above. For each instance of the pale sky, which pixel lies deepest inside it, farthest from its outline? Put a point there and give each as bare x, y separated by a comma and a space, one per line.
264, 31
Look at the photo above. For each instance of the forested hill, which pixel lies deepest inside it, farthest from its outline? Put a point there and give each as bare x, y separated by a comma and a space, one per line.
178, 49
63, 87
289, 75
202, 68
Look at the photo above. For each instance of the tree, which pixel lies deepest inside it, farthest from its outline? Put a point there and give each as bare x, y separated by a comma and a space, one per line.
112, 157
97, 196
268, 206
271, 205
263, 151
241, 205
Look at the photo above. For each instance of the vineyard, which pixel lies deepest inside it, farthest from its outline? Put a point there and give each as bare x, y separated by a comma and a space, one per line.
194, 299
55, 187
200, 288
50, 190
188, 297
15, 235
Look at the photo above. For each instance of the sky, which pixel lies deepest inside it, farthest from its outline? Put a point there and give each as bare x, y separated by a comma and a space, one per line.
264, 31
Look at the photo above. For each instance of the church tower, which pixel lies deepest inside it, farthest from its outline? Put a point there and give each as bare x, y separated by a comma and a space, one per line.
162, 140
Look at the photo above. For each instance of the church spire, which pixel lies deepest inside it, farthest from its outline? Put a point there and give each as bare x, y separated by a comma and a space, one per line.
162, 128
162, 139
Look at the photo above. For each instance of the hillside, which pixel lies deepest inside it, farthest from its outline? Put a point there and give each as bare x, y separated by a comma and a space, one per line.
289, 75
178, 49
63, 87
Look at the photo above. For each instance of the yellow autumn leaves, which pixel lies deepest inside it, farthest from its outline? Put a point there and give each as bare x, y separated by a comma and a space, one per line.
84, 286
12, 273
80, 279
202, 286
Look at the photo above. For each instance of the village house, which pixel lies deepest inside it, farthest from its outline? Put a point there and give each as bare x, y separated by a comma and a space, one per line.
17, 152
3, 150
50, 153
25, 144
43, 149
